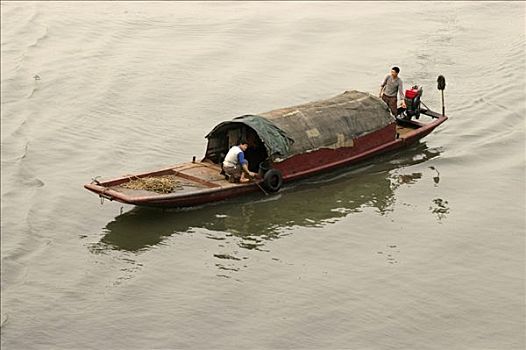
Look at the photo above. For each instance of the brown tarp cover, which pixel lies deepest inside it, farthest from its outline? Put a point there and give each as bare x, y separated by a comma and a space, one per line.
330, 123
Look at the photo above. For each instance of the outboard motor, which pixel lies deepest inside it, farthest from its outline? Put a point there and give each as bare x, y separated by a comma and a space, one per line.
412, 102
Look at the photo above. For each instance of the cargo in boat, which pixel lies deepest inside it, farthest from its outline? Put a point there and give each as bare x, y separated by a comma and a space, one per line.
286, 144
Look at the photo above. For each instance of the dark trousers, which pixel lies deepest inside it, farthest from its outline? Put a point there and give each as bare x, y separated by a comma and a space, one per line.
391, 103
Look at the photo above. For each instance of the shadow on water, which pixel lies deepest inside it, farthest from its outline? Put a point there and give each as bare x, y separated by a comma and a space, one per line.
315, 202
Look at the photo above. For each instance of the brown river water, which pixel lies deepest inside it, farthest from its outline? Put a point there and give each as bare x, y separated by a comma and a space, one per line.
424, 249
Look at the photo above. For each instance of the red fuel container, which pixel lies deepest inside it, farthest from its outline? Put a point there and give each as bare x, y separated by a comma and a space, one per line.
411, 93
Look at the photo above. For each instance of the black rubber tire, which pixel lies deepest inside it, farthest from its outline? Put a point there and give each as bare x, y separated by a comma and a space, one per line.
273, 180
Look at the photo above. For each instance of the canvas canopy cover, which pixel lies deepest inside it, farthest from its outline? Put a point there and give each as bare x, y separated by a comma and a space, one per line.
330, 123
276, 140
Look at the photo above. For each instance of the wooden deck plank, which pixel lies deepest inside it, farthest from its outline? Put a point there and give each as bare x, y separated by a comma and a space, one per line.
404, 130
205, 173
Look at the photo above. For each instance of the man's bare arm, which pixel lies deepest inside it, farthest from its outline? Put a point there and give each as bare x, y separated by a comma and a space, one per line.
244, 167
401, 90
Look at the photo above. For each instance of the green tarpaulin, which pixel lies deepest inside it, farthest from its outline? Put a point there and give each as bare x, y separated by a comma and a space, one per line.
276, 141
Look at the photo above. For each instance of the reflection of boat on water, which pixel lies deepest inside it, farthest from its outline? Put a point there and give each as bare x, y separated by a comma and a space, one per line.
337, 195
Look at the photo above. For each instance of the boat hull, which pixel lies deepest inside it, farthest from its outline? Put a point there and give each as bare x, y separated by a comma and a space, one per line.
370, 145
293, 168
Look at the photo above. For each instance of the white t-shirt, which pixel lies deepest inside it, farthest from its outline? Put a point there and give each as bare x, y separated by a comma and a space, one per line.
231, 158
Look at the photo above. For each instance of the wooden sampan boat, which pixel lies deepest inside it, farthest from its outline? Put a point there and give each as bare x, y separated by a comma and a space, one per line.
285, 145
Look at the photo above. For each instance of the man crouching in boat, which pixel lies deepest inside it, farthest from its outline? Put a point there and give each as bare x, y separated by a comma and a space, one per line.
391, 85
235, 165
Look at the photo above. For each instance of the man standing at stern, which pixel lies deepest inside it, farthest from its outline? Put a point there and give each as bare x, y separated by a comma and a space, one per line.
391, 85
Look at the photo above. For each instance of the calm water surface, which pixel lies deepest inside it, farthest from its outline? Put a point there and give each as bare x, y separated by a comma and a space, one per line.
420, 250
